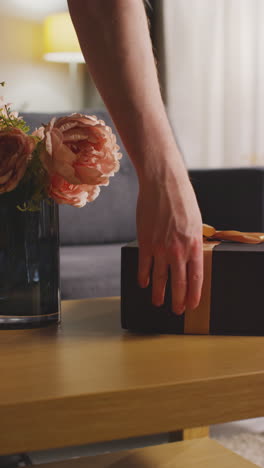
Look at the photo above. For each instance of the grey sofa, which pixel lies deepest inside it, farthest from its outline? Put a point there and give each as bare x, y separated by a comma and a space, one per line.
92, 237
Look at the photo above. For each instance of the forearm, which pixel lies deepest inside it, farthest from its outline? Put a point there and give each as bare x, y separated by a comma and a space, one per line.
115, 41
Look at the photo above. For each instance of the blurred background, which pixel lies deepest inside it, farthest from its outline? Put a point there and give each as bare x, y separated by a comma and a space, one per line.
210, 56
35, 83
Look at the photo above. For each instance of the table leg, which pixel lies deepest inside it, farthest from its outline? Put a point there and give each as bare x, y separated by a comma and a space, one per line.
188, 434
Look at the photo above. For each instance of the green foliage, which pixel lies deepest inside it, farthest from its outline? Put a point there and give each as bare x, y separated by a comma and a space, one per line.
33, 188
9, 120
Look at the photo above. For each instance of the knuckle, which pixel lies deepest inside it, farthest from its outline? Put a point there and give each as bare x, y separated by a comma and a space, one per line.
144, 246
144, 256
159, 248
179, 282
197, 277
176, 249
197, 240
197, 248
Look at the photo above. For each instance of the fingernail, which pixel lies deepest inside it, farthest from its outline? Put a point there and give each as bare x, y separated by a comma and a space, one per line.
179, 310
157, 303
192, 307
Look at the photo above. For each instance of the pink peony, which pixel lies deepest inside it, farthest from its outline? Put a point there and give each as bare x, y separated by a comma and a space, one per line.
80, 148
77, 195
15, 151
39, 133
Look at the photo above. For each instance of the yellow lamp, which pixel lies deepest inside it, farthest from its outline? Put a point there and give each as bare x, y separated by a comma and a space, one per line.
61, 45
60, 40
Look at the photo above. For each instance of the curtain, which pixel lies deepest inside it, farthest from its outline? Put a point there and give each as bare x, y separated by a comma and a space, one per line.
214, 79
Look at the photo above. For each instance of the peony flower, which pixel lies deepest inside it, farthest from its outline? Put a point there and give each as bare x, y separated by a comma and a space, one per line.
76, 195
80, 148
15, 151
39, 133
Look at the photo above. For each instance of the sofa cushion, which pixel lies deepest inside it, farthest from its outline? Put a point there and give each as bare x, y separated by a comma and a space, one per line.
111, 217
90, 271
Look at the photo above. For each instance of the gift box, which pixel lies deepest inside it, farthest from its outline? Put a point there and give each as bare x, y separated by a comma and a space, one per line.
232, 301
230, 197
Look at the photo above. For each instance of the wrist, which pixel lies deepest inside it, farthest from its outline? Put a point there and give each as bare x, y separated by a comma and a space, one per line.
152, 146
161, 164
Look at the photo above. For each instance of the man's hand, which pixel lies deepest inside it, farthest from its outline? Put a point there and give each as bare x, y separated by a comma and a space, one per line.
116, 44
169, 229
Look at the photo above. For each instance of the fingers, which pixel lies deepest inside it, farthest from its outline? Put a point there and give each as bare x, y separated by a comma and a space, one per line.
178, 283
144, 266
159, 279
195, 278
186, 275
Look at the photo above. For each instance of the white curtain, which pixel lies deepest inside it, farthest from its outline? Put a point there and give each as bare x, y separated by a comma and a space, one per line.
214, 75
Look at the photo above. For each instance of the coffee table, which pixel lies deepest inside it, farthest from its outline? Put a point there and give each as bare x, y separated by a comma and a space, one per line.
88, 380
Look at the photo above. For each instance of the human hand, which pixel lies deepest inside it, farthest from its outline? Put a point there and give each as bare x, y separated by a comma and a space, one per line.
169, 228
169, 223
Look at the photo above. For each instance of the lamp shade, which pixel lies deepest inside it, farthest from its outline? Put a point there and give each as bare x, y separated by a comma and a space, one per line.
60, 39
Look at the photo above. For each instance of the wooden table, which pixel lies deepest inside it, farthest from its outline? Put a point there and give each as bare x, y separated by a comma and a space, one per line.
88, 381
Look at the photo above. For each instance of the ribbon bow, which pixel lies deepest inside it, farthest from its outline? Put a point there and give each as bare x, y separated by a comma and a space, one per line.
210, 232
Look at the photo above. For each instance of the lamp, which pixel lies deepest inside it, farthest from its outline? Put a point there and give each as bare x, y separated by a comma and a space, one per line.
61, 44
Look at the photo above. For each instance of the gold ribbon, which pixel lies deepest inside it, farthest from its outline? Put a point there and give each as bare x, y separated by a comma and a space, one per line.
198, 321
210, 232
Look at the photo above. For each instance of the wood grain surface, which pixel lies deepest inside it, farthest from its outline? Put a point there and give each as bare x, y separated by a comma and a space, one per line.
188, 434
88, 381
203, 453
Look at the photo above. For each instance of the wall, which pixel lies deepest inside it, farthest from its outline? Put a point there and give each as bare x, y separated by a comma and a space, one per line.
33, 84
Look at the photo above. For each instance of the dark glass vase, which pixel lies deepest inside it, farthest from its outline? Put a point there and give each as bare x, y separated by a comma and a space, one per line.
29, 265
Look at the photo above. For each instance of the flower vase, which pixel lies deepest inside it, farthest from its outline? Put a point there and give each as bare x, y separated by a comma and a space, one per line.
29, 264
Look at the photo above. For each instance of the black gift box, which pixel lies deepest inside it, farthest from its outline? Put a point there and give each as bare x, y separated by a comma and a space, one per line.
236, 295
231, 197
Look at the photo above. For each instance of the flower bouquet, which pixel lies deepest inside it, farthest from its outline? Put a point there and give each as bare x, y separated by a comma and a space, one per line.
63, 162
